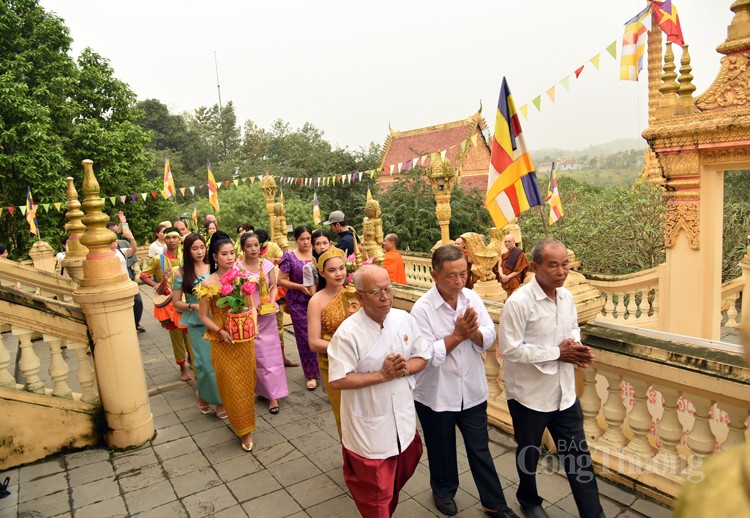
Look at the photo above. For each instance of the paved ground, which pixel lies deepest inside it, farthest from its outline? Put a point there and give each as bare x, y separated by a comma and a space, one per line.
195, 466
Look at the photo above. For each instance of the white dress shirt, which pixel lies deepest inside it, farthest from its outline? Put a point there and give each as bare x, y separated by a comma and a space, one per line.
376, 419
156, 248
456, 381
532, 327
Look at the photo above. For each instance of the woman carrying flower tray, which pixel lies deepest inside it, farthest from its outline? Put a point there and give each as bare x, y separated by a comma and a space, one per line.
230, 328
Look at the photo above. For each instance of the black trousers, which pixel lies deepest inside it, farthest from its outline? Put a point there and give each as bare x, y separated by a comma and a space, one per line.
566, 427
439, 430
137, 309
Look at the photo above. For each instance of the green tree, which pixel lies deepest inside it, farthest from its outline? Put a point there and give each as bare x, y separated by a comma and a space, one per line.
56, 112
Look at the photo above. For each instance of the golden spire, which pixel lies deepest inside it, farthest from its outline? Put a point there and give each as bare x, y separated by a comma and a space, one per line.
738, 32
669, 101
654, 68
687, 87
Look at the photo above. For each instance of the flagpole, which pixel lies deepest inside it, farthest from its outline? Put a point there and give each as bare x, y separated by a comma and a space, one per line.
544, 222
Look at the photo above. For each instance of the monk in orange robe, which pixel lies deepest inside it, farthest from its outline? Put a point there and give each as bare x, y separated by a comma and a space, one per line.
514, 265
393, 262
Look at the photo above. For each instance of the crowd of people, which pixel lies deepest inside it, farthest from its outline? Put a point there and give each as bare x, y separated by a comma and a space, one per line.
381, 368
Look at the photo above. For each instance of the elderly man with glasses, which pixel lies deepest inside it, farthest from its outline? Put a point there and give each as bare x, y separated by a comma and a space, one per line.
452, 390
372, 359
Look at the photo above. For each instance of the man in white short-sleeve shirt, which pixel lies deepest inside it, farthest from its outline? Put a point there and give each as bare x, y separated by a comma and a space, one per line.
540, 346
372, 358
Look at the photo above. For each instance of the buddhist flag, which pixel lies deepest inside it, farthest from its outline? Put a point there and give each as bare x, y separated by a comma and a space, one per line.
281, 195
195, 214
553, 197
316, 209
31, 213
369, 193
168, 189
512, 186
633, 46
213, 189
666, 16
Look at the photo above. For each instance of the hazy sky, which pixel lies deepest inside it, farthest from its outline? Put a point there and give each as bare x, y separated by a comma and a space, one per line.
351, 68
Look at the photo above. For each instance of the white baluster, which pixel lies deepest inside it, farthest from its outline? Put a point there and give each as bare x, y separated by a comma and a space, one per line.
732, 310
700, 439
492, 373
591, 404
85, 373
639, 421
58, 368
614, 412
736, 433
609, 305
667, 460
6, 379
29, 361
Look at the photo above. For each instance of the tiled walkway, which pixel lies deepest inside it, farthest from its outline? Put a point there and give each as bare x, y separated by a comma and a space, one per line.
195, 466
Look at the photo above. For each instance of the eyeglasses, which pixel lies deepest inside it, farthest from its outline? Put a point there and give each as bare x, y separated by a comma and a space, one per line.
378, 293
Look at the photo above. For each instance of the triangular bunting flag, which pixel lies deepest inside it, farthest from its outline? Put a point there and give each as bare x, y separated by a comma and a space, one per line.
182, 191
122, 199
58, 205
400, 164
200, 187
218, 186
133, 197
112, 200
165, 194
1, 211
45, 206
392, 167
144, 195
260, 177
12, 211
612, 49
360, 175
566, 82
524, 111
595, 61
537, 102
372, 174
192, 189
578, 71
154, 193
226, 183
551, 93
252, 179
443, 153
236, 182
23, 209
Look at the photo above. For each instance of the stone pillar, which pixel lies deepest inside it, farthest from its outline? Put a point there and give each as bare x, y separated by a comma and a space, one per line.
106, 296
76, 253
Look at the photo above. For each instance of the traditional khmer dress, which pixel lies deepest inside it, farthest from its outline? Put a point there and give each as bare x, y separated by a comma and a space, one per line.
269, 359
297, 304
331, 317
205, 377
234, 365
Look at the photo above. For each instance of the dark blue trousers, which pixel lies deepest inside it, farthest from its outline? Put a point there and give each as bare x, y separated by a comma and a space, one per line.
439, 430
566, 427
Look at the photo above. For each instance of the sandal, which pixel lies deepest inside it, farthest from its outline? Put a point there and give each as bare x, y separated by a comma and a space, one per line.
312, 384
205, 409
247, 447
222, 414
274, 409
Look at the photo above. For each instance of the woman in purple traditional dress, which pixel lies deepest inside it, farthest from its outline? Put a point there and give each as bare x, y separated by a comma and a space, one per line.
297, 296
269, 360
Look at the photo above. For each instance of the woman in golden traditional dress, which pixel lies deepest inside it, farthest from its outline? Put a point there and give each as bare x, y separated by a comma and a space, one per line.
234, 363
325, 312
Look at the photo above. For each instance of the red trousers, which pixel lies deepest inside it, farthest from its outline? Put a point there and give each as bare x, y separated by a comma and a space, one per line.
375, 484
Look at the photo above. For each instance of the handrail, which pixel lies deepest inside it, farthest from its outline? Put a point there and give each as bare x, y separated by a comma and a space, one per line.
47, 316
57, 285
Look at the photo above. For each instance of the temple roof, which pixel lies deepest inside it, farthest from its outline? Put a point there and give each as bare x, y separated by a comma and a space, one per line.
403, 146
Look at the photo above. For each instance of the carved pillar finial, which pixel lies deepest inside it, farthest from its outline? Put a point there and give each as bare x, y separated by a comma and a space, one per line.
685, 92
738, 32
97, 237
76, 253
669, 87
654, 69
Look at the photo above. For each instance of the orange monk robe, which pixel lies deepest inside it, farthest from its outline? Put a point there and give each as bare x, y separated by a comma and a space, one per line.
394, 263
522, 265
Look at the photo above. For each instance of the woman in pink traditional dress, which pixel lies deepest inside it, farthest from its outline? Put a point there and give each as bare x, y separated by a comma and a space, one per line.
297, 298
269, 360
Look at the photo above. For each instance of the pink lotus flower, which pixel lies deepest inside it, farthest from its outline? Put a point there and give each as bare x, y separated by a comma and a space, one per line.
226, 289
248, 288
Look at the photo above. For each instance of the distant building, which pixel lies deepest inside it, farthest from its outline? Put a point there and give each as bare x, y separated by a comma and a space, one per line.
401, 148
561, 164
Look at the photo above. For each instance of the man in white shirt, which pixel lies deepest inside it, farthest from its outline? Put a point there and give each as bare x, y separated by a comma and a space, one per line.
372, 358
540, 346
452, 389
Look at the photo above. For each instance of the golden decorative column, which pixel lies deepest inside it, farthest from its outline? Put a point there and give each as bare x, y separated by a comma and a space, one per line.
442, 176
76, 253
268, 188
279, 230
105, 295
372, 232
